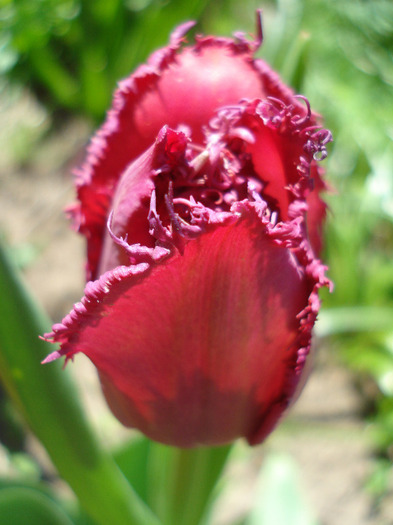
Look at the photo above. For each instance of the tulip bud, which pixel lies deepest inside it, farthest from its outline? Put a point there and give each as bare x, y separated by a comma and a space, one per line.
199, 199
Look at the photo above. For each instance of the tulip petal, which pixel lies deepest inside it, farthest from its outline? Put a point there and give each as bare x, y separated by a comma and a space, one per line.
200, 202
181, 87
283, 151
204, 347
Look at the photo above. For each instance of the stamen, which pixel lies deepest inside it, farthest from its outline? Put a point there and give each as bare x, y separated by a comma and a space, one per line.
199, 161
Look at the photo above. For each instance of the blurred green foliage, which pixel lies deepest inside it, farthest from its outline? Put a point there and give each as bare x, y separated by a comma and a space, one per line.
280, 481
350, 77
71, 53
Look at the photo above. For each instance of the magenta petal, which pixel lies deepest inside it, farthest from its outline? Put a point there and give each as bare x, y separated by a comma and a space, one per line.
200, 202
201, 348
181, 87
131, 201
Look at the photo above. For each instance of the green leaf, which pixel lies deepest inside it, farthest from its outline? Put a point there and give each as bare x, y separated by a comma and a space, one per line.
46, 398
23, 505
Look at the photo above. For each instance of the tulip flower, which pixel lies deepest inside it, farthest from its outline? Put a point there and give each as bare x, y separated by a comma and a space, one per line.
200, 202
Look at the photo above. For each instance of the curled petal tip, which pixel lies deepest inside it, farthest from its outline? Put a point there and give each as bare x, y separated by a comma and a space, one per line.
259, 39
179, 33
52, 357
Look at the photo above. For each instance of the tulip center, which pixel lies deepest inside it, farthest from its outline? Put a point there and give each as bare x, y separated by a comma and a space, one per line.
201, 189
198, 182
256, 151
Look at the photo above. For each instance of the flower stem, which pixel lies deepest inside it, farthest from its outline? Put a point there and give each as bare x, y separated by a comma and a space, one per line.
182, 481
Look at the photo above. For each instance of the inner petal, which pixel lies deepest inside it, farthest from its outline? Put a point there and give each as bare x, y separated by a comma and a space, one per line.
268, 159
191, 89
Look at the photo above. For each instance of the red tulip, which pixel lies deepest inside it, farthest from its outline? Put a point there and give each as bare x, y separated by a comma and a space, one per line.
195, 199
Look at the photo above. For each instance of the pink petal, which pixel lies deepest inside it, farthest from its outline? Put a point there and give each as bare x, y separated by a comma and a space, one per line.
205, 347
199, 199
178, 87
283, 150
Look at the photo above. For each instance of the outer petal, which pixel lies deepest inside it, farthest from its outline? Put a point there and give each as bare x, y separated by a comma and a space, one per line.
181, 88
316, 210
132, 197
205, 347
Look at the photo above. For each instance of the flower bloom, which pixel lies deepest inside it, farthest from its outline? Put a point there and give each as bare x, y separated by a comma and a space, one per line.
199, 200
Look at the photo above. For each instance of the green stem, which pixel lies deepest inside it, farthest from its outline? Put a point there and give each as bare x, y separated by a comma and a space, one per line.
182, 481
45, 396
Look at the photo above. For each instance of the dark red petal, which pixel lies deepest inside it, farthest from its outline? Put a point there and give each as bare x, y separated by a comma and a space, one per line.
316, 210
178, 88
283, 149
205, 347
131, 201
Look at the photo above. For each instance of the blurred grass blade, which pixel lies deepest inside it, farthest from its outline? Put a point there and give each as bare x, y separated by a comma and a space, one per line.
23, 505
52, 73
45, 396
151, 29
279, 500
332, 321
